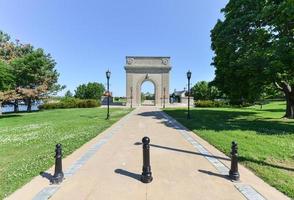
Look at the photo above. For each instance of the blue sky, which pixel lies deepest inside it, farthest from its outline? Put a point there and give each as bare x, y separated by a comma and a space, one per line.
87, 37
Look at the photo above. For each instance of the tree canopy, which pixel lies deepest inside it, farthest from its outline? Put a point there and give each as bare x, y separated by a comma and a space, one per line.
25, 72
254, 47
6, 77
202, 90
90, 91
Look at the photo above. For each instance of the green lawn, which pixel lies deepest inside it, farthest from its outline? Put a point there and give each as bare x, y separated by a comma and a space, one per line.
27, 140
266, 142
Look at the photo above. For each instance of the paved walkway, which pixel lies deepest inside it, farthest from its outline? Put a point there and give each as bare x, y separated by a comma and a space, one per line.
184, 167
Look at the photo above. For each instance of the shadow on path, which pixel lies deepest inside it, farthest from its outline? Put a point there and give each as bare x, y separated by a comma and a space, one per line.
129, 174
47, 176
183, 151
214, 174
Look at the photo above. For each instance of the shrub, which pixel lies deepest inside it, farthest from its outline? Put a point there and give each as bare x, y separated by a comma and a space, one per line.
209, 104
71, 103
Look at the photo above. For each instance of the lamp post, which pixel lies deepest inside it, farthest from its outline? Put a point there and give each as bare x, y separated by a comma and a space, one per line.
108, 73
189, 74
164, 97
131, 97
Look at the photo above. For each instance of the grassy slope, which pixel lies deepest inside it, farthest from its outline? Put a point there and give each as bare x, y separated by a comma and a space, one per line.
266, 142
27, 141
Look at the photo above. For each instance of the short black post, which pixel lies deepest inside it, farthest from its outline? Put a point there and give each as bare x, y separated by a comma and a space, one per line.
146, 174
58, 174
234, 173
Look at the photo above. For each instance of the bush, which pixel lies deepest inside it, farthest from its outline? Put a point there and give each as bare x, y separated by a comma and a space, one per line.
71, 103
209, 104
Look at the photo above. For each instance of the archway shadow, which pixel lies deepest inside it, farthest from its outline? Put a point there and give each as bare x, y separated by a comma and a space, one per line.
128, 174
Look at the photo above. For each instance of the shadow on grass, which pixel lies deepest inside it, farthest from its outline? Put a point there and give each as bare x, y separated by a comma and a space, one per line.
183, 151
89, 116
9, 116
273, 110
128, 174
260, 162
222, 120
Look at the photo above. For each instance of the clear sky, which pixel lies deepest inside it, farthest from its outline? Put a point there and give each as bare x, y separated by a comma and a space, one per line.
87, 37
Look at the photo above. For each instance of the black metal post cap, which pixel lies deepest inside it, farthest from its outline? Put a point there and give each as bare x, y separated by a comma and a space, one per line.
146, 140
234, 143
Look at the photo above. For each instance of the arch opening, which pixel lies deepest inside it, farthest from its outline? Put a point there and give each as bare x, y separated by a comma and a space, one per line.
147, 93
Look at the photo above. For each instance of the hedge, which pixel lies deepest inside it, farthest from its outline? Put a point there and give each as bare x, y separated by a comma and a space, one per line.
71, 103
209, 104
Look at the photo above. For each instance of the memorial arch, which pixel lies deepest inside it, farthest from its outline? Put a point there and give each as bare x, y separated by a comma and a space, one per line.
154, 69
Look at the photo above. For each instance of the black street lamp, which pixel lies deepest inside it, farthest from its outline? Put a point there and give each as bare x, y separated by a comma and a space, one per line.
189, 74
108, 73
131, 97
163, 97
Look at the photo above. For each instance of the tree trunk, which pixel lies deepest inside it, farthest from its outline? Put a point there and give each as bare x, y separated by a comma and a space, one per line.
16, 108
289, 95
29, 108
0, 108
290, 105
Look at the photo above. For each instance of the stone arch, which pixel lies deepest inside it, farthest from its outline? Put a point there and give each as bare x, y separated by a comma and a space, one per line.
139, 89
141, 69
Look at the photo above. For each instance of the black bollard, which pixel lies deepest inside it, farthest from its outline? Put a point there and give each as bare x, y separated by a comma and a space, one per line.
58, 174
234, 174
146, 174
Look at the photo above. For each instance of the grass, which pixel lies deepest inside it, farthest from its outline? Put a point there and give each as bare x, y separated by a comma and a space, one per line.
27, 140
266, 142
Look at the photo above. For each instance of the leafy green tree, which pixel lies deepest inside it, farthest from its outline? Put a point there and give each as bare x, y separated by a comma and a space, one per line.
202, 90
6, 77
6, 84
35, 75
254, 47
90, 91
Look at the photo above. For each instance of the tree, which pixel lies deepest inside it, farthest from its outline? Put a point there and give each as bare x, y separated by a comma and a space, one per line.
10, 50
6, 77
35, 76
6, 84
90, 91
202, 90
254, 47
68, 94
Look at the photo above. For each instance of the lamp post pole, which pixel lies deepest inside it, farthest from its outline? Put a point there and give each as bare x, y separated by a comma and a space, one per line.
189, 74
131, 97
108, 73
164, 97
